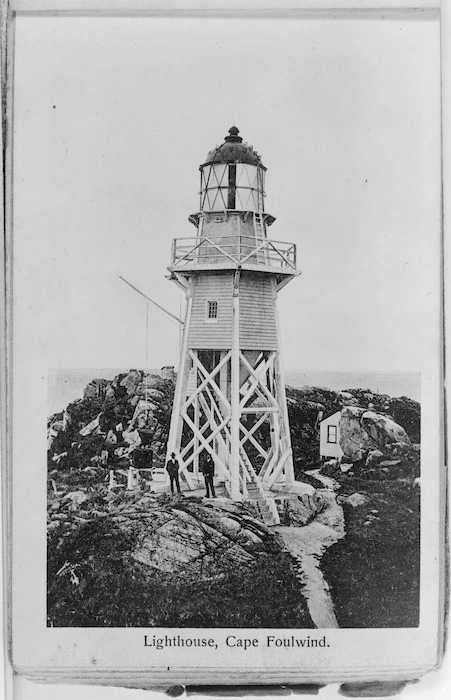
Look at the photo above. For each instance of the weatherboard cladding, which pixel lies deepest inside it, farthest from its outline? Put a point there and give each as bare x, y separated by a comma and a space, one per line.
330, 449
211, 335
257, 313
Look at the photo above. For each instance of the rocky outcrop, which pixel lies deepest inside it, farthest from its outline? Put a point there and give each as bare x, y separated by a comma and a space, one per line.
131, 381
162, 546
134, 559
362, 430
112, 407
197, 539
183, 535
136, 397
300, 510
97, 388
308, 405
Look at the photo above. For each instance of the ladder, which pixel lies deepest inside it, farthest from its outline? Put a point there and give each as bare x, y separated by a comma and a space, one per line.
260, 236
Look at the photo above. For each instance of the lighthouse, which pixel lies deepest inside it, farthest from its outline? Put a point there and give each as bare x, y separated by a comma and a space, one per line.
230, 394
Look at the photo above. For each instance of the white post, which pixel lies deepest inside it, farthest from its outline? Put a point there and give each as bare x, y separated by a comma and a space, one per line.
235, 491
284, 424
196, 436
223, 445
112, 483
175, 430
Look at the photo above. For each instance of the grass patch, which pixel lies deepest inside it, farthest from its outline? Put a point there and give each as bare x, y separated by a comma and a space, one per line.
374, 571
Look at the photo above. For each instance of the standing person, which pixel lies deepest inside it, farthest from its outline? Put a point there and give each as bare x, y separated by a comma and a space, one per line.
172, 468
209, 472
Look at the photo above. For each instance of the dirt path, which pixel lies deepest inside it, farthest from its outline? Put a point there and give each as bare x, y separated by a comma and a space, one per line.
307, 545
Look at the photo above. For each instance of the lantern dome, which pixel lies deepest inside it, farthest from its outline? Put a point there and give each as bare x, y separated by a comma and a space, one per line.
233, 150
232, 178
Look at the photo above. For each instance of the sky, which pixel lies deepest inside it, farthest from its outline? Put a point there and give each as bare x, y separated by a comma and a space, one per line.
112, 117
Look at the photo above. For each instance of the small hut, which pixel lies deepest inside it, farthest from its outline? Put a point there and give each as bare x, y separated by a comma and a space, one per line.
329, 437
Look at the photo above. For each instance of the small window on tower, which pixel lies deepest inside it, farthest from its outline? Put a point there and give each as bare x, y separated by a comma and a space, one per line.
212, 311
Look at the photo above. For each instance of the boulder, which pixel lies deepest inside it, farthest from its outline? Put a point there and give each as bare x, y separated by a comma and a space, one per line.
91, 427
143, 405
383, 430
374, 456
362, 431
300, 510
331, 467
229, 527
152, 381
355, 500
130, 381
155, 394
97, 388
248, 537
151, 393
77, 497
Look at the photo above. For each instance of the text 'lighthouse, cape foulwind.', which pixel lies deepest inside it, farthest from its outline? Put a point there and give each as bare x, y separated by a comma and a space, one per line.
230, 393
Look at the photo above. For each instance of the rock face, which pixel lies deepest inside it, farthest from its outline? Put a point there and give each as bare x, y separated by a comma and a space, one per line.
362, 431
184, 536
300, 510
199, 539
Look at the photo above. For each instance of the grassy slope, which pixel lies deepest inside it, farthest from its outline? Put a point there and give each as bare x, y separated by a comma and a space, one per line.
112, 590
374, 571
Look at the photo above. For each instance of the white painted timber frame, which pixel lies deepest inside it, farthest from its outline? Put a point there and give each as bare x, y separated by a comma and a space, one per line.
223, 432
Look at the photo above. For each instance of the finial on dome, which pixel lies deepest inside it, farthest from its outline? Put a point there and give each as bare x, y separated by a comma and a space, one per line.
233, 136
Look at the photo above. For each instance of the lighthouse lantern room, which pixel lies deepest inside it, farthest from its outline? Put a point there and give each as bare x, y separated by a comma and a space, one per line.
230, 394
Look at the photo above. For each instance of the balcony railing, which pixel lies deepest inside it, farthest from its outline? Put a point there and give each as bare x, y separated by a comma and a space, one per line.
231, 251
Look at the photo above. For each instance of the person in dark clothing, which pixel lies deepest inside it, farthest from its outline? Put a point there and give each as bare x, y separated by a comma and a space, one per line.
209, 472
172, 468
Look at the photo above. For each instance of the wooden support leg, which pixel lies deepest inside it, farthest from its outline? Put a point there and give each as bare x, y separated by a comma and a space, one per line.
235, 396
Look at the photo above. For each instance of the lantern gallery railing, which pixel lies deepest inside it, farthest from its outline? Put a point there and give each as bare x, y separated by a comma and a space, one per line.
233, 250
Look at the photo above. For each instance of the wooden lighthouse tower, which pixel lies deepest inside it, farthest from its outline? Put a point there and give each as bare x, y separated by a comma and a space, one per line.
230, 393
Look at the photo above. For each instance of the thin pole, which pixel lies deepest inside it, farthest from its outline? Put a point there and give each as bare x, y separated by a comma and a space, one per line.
147, 350
168, 313
180, 327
